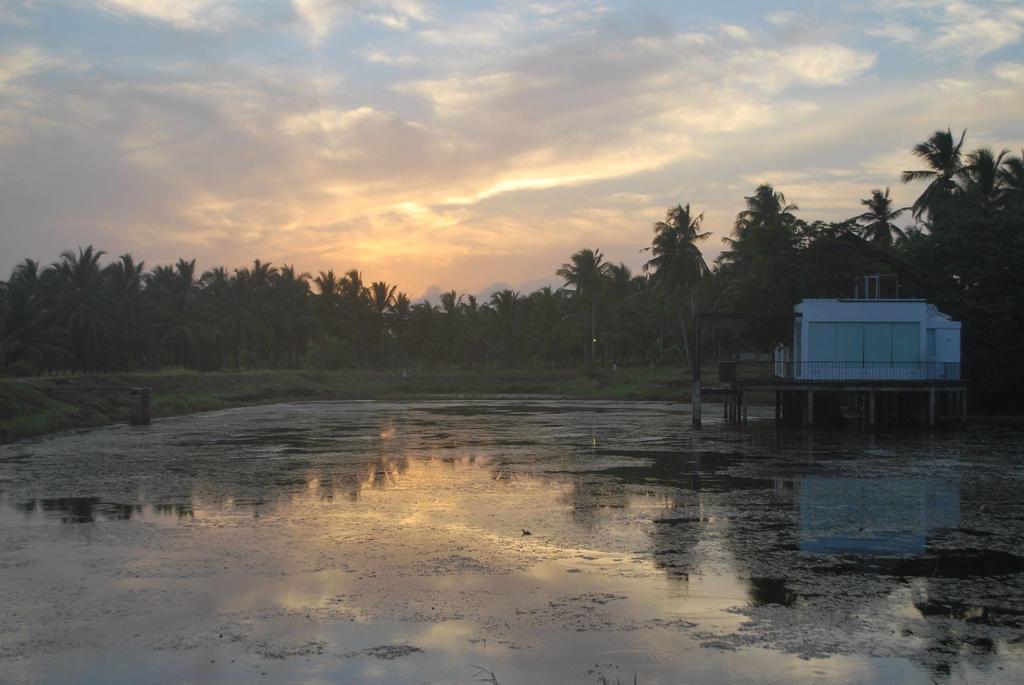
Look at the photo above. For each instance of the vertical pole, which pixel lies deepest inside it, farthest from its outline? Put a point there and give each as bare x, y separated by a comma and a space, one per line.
963, 406
134, 406
809, 414
778, 407
744, 417
695, 400
139, 412
931, 407
871, 409
144, 406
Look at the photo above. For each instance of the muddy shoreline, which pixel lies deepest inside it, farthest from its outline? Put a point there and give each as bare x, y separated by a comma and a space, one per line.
39, 406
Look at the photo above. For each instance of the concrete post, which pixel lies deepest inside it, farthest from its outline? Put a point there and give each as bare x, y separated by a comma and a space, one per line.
139, 406
696, 404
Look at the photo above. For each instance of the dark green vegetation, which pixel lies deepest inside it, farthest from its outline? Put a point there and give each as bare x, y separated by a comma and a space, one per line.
964, 252
40, 405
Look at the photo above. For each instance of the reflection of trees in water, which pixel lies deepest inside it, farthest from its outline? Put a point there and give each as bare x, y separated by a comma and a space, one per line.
590, 495
954, 633
90, 509
695, 475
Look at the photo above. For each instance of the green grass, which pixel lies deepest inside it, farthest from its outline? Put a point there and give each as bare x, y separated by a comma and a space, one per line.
36, 406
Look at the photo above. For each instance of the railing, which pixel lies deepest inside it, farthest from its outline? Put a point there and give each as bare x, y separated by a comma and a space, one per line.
746, 371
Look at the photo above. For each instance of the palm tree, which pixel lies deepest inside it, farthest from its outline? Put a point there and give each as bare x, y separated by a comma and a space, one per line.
547, 322
240, 313
180, 318
506, 306
942, 155
381, 296
83, 303
678, 263
351, 285
877, 224
450, 303
27, 335
765, 208
124, 279
982, 176
584, 272
291, 317
1011, 180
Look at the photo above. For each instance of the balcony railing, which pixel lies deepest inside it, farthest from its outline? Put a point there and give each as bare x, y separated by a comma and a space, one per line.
771, 371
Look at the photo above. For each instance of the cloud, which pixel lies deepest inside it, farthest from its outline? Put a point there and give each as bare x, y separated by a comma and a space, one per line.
734, 32
19, 62
817, 65
321, 16
1010, 71
900, 33
394, 59
513, 134
975, 31
187, 14
953, 28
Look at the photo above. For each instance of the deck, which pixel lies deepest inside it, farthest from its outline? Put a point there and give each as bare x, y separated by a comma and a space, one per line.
886, 394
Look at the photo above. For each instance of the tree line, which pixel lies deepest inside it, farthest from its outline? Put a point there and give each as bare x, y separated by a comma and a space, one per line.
964, 250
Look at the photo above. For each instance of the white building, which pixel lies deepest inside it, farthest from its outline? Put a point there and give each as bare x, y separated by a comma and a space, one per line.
871, 339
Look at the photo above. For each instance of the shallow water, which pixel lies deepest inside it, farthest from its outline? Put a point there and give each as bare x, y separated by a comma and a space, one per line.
385, 542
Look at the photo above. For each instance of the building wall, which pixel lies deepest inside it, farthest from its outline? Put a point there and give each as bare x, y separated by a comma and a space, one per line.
874, 333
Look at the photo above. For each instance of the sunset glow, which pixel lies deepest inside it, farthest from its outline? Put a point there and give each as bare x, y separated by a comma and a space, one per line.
461, 145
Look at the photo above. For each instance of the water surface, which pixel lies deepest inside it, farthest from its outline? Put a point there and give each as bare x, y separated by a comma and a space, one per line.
387, 542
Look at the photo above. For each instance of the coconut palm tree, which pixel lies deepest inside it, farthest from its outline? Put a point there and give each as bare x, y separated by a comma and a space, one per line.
982, 176
83, 304
765, 208
292, 317
585, 272
1011, 181
506, 304
877, 224
451, 302
381, 296
942, 155
28, 338
180, 316
351, 285
124, 280
676, 261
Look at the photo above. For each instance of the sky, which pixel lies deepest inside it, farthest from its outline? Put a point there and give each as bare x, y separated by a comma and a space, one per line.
469, 144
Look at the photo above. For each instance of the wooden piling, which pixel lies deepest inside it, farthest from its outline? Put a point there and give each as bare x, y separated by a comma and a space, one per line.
139, 406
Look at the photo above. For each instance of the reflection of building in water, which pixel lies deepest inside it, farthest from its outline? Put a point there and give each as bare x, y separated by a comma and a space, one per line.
873, 516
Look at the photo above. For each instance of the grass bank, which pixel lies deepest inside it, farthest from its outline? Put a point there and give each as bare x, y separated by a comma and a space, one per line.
36, 406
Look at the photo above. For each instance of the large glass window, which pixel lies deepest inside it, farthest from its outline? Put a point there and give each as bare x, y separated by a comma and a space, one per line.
878, 342
823, 342
849, 342
906, 342
864, 342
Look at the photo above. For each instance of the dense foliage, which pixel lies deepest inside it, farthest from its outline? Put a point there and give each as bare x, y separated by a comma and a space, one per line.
965, 252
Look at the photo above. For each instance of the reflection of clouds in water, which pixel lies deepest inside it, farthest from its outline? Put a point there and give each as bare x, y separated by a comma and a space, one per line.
411, 515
